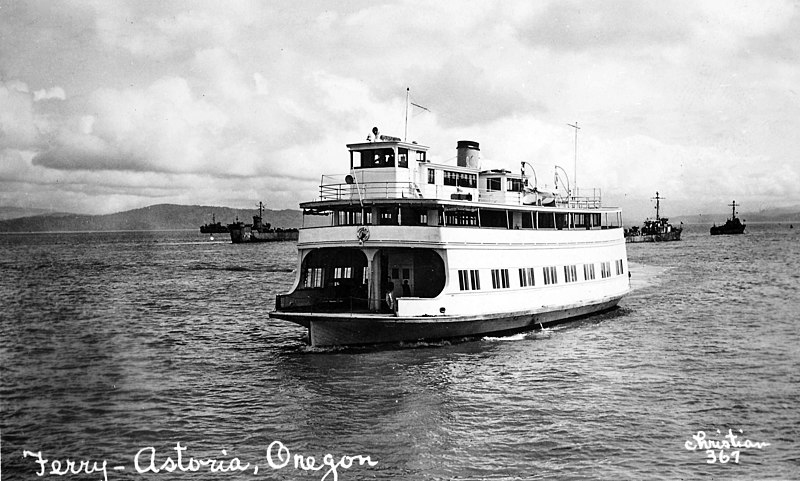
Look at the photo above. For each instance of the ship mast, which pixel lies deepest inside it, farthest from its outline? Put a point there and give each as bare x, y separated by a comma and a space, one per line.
405, 133
657, 199
733, 210
575, 167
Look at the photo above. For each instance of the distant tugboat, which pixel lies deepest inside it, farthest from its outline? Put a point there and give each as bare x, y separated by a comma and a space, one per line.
658, 230
732, 225
258, 231
214, 227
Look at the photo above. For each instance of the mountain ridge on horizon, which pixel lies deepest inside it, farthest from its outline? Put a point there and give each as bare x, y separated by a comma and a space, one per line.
153, 217
188, 217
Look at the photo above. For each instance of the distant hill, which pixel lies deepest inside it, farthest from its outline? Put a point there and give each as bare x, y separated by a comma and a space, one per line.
7, 212
154, 217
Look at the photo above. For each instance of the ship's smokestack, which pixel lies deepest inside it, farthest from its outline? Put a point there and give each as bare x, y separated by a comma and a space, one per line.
468, 154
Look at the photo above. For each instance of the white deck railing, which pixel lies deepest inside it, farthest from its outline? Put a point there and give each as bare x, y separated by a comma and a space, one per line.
409, 190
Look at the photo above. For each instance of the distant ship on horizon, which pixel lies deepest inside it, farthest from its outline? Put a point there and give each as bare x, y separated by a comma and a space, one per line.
214, 227
658, 230
732, 226
258, 231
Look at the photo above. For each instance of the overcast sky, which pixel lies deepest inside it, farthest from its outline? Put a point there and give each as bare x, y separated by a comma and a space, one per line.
111, 105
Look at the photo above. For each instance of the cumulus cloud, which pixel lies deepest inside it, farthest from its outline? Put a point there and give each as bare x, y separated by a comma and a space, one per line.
162, 128
17, 117
630, 24
51, 93
680, 97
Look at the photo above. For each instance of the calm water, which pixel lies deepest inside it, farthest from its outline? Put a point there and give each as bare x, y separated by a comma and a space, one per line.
112, 343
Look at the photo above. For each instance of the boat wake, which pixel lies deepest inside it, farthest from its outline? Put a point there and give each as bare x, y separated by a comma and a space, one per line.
232, 268
643, 275
514, 337
390, 346
194, 243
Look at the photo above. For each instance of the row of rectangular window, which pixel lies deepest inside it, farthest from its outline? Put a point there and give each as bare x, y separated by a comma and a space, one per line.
474, 217
462, 179
458, 179
469, 279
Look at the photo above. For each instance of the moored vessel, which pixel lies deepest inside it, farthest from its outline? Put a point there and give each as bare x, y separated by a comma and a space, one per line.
259, 231
731, 226
416, 250
214, 227
654, 230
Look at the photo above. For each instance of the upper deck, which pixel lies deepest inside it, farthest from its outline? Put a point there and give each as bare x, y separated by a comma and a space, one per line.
391, 169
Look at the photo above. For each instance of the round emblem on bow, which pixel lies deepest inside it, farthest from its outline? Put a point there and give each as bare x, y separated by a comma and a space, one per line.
362, 234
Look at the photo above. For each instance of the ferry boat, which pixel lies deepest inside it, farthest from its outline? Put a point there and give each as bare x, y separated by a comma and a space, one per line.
732, 225
412, 250
658, 230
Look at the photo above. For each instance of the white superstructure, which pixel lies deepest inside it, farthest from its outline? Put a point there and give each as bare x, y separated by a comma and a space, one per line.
411, 249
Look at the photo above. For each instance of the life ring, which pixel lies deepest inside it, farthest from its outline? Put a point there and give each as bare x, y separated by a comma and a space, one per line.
362, 234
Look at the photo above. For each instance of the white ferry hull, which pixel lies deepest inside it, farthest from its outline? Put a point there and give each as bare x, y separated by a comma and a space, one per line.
406, 250
327, 329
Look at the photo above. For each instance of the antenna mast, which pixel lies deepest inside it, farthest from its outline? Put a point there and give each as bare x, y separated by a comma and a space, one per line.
657, 198
575, 170
733, 209
405, 134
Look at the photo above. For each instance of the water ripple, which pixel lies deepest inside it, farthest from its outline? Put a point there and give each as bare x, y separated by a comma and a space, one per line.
111, 343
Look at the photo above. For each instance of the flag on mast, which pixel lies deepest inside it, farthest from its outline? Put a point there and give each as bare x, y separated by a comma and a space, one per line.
409, 102
420, 106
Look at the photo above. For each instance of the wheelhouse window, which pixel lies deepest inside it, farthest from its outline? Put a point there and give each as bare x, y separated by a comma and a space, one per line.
402, 157
374, 158
431, 176
605, 269
493, 183
422, 156
619, 267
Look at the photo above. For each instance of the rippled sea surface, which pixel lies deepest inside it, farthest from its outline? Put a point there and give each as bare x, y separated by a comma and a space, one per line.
118, 344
